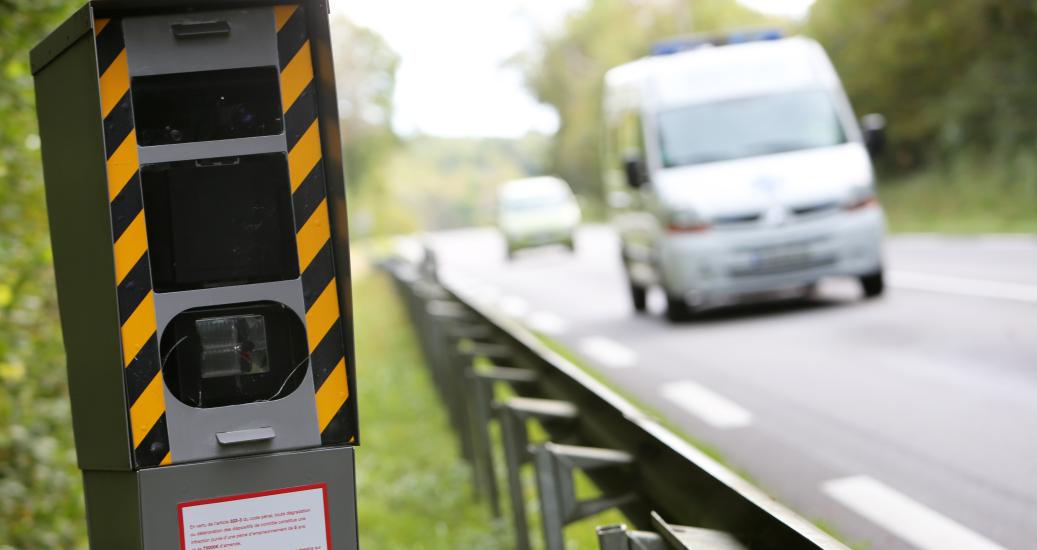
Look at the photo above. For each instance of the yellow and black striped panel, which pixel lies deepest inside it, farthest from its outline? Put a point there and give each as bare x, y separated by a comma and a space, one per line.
313, 229
144, 388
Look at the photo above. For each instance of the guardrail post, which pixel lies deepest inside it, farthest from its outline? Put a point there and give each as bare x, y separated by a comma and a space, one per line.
559, 506
617, 537
515, 435
450, 367
666, 537
481, 383
485, 484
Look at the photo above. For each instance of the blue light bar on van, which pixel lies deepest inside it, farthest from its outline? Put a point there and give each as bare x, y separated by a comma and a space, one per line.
677, 45
686, 43
754, 36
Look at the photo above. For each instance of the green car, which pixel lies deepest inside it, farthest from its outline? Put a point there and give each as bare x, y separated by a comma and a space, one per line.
533, 212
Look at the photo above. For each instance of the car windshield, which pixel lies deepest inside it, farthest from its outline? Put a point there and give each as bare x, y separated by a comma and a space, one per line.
748, 127
547, 198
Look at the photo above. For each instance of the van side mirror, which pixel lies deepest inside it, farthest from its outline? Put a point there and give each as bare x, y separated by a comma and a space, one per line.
634, 169
873, 126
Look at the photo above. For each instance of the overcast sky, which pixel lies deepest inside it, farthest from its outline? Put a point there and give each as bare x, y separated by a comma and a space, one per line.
452, 80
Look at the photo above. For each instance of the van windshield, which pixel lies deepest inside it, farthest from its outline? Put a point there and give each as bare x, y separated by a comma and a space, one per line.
748, 127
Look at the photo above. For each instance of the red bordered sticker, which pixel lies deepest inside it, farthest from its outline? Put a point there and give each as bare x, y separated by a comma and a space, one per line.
295, 518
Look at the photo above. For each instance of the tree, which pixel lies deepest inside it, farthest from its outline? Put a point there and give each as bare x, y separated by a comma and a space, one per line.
41, 503
948, 75
365, 70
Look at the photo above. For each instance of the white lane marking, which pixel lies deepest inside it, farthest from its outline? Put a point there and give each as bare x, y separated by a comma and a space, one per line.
904, 517
514, 306
608, 353
711, 407
547, 322
980, 288
484, 293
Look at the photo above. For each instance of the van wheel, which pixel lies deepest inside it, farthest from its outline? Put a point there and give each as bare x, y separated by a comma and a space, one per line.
639, 296
677, 309
873, 285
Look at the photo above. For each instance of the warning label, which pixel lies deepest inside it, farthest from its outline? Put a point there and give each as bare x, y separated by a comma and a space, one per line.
283, 519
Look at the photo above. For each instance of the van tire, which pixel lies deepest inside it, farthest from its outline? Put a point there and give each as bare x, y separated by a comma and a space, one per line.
639, 298
873, 285
677, 309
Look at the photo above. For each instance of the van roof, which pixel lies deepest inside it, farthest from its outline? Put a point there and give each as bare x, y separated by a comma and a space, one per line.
710, 73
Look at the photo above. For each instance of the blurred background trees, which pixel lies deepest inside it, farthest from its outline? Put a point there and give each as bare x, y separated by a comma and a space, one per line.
365, 70
948, 75
40, 490
957, 82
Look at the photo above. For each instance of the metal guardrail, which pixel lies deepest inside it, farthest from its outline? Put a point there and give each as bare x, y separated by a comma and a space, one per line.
640, 467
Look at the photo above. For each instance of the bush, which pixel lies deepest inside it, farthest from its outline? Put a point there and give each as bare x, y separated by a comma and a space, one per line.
971, 192
41, 504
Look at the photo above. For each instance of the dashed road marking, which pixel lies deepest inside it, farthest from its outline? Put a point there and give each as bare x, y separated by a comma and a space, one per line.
608, 353
709, 406
979, 288
904, 517
484, 293
547, 322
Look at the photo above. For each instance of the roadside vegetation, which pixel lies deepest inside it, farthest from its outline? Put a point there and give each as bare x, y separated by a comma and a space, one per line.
415, 491
997, 194
957, 84
41, 502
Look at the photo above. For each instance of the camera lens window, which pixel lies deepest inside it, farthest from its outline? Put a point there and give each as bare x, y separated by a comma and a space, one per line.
234, 354
232, 345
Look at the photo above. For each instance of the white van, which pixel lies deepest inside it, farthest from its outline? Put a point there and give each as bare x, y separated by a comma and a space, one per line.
737, 170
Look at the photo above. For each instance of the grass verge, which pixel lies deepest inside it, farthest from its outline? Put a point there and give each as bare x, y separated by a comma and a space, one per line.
414, 490
970, 195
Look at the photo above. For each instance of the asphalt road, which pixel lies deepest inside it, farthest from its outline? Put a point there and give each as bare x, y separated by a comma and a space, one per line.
906, 422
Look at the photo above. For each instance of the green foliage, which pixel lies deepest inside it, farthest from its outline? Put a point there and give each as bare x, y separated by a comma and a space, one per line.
568, 72
40, 490
972, 193
413, 489
365, 69
948, 75
437, 183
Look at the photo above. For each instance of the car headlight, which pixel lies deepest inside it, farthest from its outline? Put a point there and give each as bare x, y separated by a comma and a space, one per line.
686, 220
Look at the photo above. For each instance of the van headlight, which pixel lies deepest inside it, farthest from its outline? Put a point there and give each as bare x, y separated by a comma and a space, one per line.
862, 196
